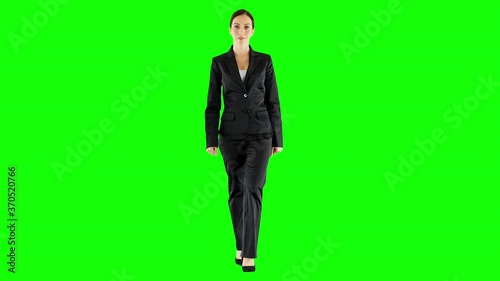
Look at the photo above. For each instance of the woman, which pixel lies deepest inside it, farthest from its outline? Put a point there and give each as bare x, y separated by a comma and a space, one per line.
250, 130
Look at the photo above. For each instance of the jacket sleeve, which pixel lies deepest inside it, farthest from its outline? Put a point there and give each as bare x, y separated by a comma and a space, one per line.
212, 112
273, 104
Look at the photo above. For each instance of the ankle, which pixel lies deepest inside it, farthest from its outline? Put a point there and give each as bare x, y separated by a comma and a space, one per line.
248, 261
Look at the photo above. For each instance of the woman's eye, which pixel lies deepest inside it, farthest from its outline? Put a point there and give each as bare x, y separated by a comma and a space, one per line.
247, 27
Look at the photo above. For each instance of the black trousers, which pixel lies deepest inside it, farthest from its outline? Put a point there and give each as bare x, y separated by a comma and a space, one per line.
246, 159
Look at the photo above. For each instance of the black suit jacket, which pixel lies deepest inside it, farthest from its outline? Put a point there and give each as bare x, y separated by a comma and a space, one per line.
251, 107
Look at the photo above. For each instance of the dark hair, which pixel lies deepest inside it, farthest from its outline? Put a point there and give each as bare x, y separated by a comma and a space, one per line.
239, 13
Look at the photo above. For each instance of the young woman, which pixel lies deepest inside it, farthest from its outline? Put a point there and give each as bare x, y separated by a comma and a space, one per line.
250, 129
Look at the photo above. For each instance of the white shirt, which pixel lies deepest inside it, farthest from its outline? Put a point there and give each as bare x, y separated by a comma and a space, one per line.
243, 73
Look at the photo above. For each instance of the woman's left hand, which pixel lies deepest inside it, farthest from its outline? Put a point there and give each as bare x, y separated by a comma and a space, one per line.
276, 149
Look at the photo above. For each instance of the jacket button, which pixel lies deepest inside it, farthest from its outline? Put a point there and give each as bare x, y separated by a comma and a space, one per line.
246, 110
245, 95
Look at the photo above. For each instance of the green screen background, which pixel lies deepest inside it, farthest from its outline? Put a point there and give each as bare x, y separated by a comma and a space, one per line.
147, 202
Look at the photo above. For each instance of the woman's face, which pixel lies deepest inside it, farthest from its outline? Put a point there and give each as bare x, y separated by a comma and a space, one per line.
241, 29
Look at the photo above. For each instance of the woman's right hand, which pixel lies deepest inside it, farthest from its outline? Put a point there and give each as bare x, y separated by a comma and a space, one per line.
212, 150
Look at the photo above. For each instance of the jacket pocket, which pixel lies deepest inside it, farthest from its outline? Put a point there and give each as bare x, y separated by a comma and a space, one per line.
262, 114
227, 116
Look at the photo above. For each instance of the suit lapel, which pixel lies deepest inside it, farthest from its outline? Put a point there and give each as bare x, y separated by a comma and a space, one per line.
232, 65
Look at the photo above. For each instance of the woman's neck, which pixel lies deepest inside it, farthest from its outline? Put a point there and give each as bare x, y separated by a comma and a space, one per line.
241, 50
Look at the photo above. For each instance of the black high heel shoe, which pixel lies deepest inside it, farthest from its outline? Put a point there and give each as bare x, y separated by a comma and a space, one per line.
248, 268
238, 261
